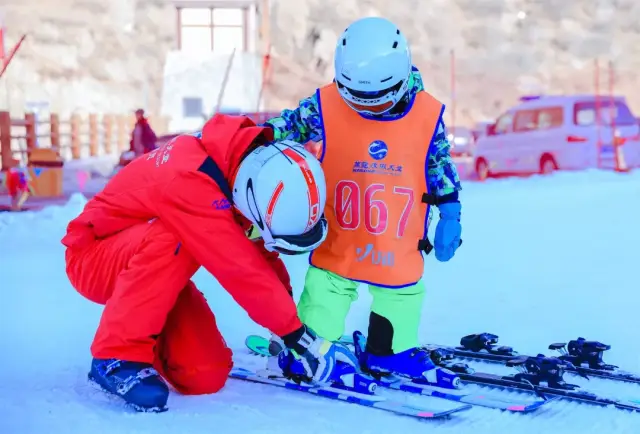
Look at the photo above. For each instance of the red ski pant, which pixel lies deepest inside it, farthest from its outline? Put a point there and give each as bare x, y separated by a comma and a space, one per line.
153, 311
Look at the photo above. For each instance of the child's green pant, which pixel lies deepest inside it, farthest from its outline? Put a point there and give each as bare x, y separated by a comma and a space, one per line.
327, 297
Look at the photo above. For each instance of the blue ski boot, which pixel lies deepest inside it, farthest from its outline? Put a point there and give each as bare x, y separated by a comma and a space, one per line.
344, 374
414, 364
137, 383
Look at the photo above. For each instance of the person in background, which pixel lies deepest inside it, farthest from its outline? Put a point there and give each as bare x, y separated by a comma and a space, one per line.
143, 138
16, 181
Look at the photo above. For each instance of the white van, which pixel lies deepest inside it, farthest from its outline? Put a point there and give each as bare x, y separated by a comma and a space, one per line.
548, 133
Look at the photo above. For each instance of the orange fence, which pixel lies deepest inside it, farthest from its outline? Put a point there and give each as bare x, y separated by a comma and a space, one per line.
77, 137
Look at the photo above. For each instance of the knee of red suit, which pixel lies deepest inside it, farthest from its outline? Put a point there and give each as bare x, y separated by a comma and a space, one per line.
197, 381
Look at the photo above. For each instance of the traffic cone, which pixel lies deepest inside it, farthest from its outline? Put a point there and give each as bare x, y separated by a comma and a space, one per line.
618, 149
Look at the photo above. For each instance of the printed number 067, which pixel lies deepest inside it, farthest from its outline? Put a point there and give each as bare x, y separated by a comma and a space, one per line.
347, 206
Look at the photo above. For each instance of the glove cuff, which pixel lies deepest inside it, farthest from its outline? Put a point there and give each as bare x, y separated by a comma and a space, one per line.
450, 210
300, 340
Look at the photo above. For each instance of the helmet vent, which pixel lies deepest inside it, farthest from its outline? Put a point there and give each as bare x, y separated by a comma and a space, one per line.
346, 77
344, 41
397, 31
386, 79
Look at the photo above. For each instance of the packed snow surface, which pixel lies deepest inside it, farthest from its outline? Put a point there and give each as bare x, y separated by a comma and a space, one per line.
544, 259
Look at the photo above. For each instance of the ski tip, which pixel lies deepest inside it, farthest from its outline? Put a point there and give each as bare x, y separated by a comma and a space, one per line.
257, 345
526, 408
444, 413
251, 338
531, 407
462, 408
426, 415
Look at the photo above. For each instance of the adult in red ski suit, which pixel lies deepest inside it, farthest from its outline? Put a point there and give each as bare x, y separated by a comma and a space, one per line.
137, 244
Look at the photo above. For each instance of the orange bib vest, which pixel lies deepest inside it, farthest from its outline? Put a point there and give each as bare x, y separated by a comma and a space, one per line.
376, 177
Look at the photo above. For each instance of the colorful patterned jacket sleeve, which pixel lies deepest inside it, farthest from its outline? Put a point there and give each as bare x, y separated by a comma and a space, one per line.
442, 173
301, 124
304, 124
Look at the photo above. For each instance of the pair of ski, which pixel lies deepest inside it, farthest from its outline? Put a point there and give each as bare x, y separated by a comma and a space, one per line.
582, 357
538, 374
449, 400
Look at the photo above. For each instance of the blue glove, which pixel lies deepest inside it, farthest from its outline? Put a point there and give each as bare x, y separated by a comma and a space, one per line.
448, 231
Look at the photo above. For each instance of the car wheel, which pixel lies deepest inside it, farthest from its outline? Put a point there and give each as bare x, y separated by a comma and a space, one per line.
548, 165
482, 169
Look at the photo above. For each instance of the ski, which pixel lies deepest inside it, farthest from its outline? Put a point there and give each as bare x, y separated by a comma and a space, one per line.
260, 346
583, 357
495, 402
364, 399
540, 375
575, 393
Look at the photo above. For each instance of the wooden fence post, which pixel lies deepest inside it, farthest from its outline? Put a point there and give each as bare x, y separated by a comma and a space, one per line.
30, 131
93, 135
122, 133
75, 136
131, 122
5, 140
107, 125
54, 124
160, 124
165, 124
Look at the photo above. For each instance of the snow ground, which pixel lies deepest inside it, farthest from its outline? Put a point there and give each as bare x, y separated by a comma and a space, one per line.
544, 259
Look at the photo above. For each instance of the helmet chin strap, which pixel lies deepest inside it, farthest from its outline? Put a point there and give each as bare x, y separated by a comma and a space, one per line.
398, 107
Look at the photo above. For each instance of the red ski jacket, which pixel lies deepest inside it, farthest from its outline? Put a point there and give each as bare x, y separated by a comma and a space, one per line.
174, 183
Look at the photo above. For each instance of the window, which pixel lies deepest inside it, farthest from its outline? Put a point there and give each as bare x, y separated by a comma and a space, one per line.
584, 113
192, 107
217, 29
552, 117
585, 116
526, 120
228, 17
504, 124
225, 39
195, 17
195, 39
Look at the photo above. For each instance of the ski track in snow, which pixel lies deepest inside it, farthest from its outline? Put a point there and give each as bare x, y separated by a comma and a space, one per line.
544, 259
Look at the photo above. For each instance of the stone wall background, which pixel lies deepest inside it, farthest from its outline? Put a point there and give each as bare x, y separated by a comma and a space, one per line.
96, 55
499, 57
87, 55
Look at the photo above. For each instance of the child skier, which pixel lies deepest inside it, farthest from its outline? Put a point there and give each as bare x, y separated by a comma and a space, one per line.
386, 160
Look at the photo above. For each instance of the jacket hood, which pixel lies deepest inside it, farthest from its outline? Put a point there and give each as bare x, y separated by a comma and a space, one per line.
227, 139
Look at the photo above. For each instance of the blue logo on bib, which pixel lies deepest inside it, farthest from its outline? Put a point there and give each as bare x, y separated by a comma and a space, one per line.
378, 150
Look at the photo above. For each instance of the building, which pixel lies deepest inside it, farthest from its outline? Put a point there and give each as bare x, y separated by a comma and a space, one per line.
180, 58
217, 66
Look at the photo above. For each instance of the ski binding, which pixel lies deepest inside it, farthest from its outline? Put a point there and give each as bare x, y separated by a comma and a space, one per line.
366, 395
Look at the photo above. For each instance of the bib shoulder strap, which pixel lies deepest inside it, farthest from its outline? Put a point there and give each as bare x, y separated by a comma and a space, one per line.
213, 171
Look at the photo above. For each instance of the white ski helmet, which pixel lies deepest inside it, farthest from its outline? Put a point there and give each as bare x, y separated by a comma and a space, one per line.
372, 65
281, 189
